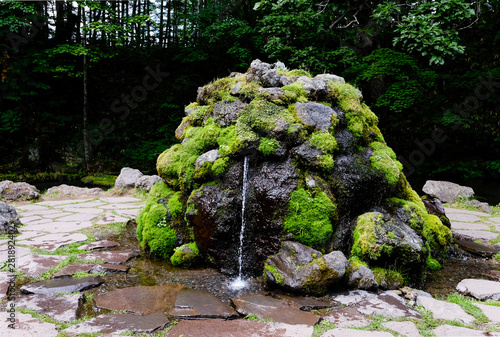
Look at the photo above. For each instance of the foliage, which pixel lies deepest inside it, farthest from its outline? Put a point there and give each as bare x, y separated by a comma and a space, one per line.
268, 146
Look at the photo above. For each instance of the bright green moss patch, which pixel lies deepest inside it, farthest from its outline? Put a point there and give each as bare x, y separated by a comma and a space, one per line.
268, 146
185, 255
278, 277
365, 239
260, 116
384, 159
220, 165
433, 264
387, 277
101, 180
294, 72
199, 114
309, 217
324, 141
295, 93
326, 162
216, 91
437, 234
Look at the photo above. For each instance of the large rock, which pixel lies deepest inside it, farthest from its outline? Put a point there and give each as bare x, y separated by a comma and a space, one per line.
447, 191
299, 268
146, 182
128, 178
480, 289
74, 191
18, 191
9, 220
64, 285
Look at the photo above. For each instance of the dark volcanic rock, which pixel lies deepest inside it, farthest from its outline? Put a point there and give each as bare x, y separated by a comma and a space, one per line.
9, 220
62, 285
199, 304
435, 206
316, 115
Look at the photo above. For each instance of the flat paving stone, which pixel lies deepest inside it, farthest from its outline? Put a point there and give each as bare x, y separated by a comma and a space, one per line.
355, 333
143, 300
463, 217
18, 252
347, 317
480, 289
78, 217
449, 210
354, 297
122, 206
113, 257
495, 219
475, 247
62, 308
118, 323
70, 269
99, 245
477, 235
62, 285
5, 278
60, 226
31, 208
456, 331
26, 326
131, 213
237, 328
444, 310
200, 304
38, 222
305, 303
111, 218
35, 265
55, 215
87, 210
387, 304
42, 213
28, 219
469, 226
78, 204
120, 199
270, 308
51, 242
61, 203
26, 234
490, 311
407, 328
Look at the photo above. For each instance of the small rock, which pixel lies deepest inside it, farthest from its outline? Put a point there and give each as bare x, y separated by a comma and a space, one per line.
99, 245
18, 191
210, 156
62, 285
272, 93
146, 182
447, 191
362, 278
347, 317
225, 113
482, 205
199, 304
480, 289
354, 297
315, 114
127, 178
9, 220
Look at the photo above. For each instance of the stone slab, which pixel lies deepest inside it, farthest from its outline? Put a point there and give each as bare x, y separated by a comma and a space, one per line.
463, 217
238, 328
305, 303
113, 257
60, 227
87, 210
17, 253
477, 235
27, 219
78, 217
355, 333
456, 331
54, 215
26, 234
480, 289
31, 207
35, 265
109, 268
444, 310
347, 317
62, 285
354, 297
450, 210
122, 206
490, 311
118, 323
62, 308
38, 222
120, 199
131, 213
111, 218
51, 242
42, 213
270, 308
387, 304
143, 300
495, 219
408, 329
27, 326
469, 226
199, 304
81, 203
70, 269
5, 278
99, 245
475, 247
61, 203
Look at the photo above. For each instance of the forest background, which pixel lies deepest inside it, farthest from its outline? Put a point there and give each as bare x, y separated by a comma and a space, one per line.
91, 86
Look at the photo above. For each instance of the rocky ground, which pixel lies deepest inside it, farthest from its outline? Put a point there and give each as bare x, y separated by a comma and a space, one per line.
78, 271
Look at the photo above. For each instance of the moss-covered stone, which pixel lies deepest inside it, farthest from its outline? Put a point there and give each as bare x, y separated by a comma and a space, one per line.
384, 159
309, 218
185, 256
294, 93
268, 146
438, 235
278, 277
387, 278
100, 180
324, 141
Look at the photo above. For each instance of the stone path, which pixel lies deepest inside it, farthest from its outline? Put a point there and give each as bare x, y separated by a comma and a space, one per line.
63, 245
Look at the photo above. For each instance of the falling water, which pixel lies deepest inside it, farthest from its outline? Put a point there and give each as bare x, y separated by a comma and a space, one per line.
239, 283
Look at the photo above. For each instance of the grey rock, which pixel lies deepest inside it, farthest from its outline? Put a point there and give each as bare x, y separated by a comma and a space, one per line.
445, 310
127, 178
330, 77
307, 153
210, 156
146, 182
301, 269
272, 93
74, 191
362, 278
62, 285
226, 112
408, 329
62, 308
387, 304
446, 191
316, 115
18, 191
181, 129
271, 78
490, 311
235, 90
480, 289
435, 206
9, 220
354, 297
482, 205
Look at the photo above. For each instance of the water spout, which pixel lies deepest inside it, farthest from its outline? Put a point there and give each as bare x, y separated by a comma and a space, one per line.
239, 282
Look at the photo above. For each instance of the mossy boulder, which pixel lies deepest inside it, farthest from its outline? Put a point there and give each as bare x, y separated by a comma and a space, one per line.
319, 173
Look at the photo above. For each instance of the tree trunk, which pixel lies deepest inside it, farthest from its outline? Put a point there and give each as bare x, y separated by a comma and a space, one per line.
160, 35
169, 24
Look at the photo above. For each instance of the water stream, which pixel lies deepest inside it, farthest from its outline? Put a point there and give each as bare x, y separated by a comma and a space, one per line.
239, 282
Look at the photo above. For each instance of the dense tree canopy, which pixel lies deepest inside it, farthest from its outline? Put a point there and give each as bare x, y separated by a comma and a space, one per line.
94, 85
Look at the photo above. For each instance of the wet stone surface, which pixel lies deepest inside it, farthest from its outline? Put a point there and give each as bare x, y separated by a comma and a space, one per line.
62, 308
62, 285
197, 304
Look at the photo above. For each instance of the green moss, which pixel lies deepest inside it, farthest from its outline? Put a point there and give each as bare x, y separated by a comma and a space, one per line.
324, 141
199, 114
176, 165
220, 165
365, 239
216, 91
387, 277
278, 277
437, 234
433, 264
260, 116
326, 162
391, 235
185, 255
384, 159
191, 106
294, 93
294, 72
268, 146
250, 90
405, 192
101, 180
309, 217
